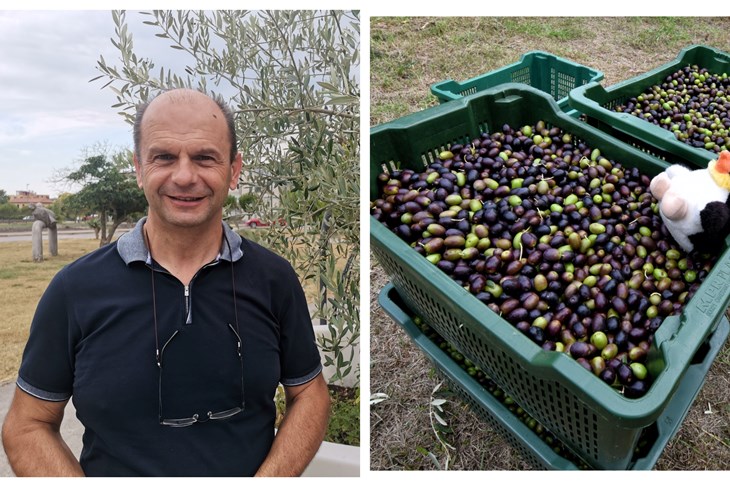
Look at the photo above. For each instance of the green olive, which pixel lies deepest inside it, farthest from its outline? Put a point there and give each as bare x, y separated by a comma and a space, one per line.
639, 370
599, 340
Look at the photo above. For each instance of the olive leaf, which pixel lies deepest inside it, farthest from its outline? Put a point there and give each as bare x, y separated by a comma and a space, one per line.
378, 397
438, 403
440, 419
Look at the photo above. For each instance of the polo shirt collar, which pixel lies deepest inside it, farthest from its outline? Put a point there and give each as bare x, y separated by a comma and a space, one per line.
131, 246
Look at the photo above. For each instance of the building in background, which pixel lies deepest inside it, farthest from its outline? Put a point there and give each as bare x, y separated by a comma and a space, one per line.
24, 198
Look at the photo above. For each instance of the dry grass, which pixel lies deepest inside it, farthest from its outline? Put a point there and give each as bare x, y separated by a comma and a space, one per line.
22, 283
407, 56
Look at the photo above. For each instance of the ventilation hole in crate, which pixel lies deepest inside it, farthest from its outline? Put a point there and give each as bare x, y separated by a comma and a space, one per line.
635, 143
464, 140
565, 84
647, 149
469, 91
484, 129
612, 104
427, 158
389, 166
554, 83
521, 75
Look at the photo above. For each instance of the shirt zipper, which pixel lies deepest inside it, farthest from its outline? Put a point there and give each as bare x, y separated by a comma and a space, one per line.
188, 318
187, 293
186, 289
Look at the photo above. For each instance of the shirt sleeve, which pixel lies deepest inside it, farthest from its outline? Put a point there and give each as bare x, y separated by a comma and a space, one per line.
300, 359
46, 369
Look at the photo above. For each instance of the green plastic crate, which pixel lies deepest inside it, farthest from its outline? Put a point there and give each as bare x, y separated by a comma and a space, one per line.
597, 104
546, 72
586, 414
535, 451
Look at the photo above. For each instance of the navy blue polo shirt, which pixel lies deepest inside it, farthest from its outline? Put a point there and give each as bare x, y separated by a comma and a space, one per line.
93, 339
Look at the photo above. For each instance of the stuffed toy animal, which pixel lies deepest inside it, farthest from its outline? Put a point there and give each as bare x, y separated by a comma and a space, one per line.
694, 204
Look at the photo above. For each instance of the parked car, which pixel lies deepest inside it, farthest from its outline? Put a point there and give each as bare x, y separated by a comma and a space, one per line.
257, 222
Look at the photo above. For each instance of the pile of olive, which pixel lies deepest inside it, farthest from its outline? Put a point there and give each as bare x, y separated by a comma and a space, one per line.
692, 103
563, 243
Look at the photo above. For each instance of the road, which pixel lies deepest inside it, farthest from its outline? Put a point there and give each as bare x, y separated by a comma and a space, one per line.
62, 234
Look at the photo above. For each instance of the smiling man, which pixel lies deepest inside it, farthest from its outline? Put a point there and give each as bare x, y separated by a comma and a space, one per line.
172, 340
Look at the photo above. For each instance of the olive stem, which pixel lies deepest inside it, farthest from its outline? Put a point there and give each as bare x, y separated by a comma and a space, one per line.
437, 404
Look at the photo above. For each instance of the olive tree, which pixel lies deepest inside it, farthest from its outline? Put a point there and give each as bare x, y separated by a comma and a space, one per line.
292, 79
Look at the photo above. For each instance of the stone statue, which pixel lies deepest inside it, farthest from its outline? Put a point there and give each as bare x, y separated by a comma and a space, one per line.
43, 218
45, 215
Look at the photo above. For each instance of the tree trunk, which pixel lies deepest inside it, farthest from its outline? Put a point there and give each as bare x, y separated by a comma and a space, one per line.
324, 241
102, 222
112, 230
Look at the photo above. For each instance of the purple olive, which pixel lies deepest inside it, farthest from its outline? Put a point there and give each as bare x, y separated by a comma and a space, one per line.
625, 374
608, 376
636, 389
579, 349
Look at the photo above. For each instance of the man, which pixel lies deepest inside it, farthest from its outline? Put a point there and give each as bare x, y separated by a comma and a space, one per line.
173, 339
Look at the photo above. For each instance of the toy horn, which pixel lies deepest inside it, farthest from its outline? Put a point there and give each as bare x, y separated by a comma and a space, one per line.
723, 162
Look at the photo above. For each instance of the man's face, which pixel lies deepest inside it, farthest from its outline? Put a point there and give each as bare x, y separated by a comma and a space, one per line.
184, 167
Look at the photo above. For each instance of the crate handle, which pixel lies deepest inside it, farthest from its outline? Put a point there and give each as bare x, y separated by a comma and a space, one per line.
508, 99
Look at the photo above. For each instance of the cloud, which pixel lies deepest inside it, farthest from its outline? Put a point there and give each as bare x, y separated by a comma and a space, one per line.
50, 111
40, 125
48, 58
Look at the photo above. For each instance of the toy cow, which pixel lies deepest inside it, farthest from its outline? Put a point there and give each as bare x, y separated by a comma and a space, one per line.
694, 204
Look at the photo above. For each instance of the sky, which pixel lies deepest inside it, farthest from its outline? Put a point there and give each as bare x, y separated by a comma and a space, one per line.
49, 111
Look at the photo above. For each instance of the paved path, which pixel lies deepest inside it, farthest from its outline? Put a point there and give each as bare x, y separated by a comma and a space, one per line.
71, 428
